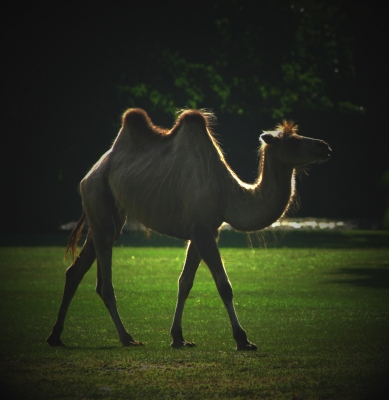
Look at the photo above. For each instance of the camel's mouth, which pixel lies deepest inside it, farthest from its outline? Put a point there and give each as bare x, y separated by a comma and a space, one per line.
324, 152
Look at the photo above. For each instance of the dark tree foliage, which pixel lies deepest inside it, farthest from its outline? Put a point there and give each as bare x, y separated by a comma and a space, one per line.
69, 69
271, 57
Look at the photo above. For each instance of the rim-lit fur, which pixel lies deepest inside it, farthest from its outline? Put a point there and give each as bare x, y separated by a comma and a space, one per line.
178, 183
75, 236
169, 179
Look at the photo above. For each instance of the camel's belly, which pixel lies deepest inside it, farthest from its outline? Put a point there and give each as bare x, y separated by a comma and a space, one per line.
169, 203
171, 218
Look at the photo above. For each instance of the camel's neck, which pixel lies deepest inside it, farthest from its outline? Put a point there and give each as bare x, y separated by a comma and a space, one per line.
255, 207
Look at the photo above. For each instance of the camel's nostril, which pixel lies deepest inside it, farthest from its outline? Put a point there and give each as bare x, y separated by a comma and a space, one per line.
326, 148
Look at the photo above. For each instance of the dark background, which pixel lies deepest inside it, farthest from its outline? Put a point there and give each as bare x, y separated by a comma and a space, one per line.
63, 68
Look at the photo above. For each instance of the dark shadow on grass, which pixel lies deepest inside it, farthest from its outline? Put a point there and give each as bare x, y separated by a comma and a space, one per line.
374, 277
377, 387
94, 348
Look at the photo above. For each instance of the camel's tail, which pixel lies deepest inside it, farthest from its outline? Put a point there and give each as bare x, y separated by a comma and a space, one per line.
75, 236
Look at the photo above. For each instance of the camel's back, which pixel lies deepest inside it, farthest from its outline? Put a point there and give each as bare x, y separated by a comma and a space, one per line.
168, 178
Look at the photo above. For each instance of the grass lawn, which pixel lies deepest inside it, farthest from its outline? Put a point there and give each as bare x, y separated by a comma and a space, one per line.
317, 309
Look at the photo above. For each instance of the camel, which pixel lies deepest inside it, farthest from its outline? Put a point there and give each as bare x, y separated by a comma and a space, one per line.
177, 182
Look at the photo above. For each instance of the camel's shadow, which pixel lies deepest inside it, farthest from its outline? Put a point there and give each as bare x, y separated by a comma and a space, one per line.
363, 276
91, 348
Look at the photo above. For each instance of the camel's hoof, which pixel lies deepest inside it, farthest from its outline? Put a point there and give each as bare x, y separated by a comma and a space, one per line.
246, 347
181, 344
54, 341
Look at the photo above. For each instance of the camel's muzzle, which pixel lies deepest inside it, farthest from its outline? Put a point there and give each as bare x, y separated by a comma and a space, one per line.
323, 151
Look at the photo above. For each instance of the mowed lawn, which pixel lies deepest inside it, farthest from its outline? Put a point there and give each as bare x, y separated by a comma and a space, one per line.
319, 316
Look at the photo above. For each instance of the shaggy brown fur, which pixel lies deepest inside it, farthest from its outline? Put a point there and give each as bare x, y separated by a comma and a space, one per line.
164, 174
75, 237
178, 183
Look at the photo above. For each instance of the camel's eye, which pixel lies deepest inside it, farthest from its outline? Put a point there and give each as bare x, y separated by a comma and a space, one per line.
294, 141
268, 138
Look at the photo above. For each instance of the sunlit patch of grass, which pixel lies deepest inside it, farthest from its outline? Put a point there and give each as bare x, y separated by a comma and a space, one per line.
319, 317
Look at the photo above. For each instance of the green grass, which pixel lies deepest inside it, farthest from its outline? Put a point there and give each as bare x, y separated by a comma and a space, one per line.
319, 316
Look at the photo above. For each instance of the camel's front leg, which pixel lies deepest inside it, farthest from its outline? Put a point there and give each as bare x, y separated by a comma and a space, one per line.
185, 284
209, 252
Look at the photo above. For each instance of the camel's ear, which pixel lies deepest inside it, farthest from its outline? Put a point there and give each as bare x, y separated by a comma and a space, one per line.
268, 138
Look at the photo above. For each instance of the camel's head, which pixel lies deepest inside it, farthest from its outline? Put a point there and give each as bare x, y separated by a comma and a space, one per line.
292, 149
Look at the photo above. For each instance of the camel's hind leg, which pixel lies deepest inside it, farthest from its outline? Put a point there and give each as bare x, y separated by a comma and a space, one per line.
206, 245
74, 275
105, 290
106, 220
185, 283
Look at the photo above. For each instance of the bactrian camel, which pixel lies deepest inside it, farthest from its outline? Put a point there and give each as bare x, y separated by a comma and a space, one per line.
178, 183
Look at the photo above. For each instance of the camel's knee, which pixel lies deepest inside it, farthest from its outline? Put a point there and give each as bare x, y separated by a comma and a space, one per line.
184, 287
225, 291
81, 264
73, 273
107, 294
98, 289
72, 270
186, 280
